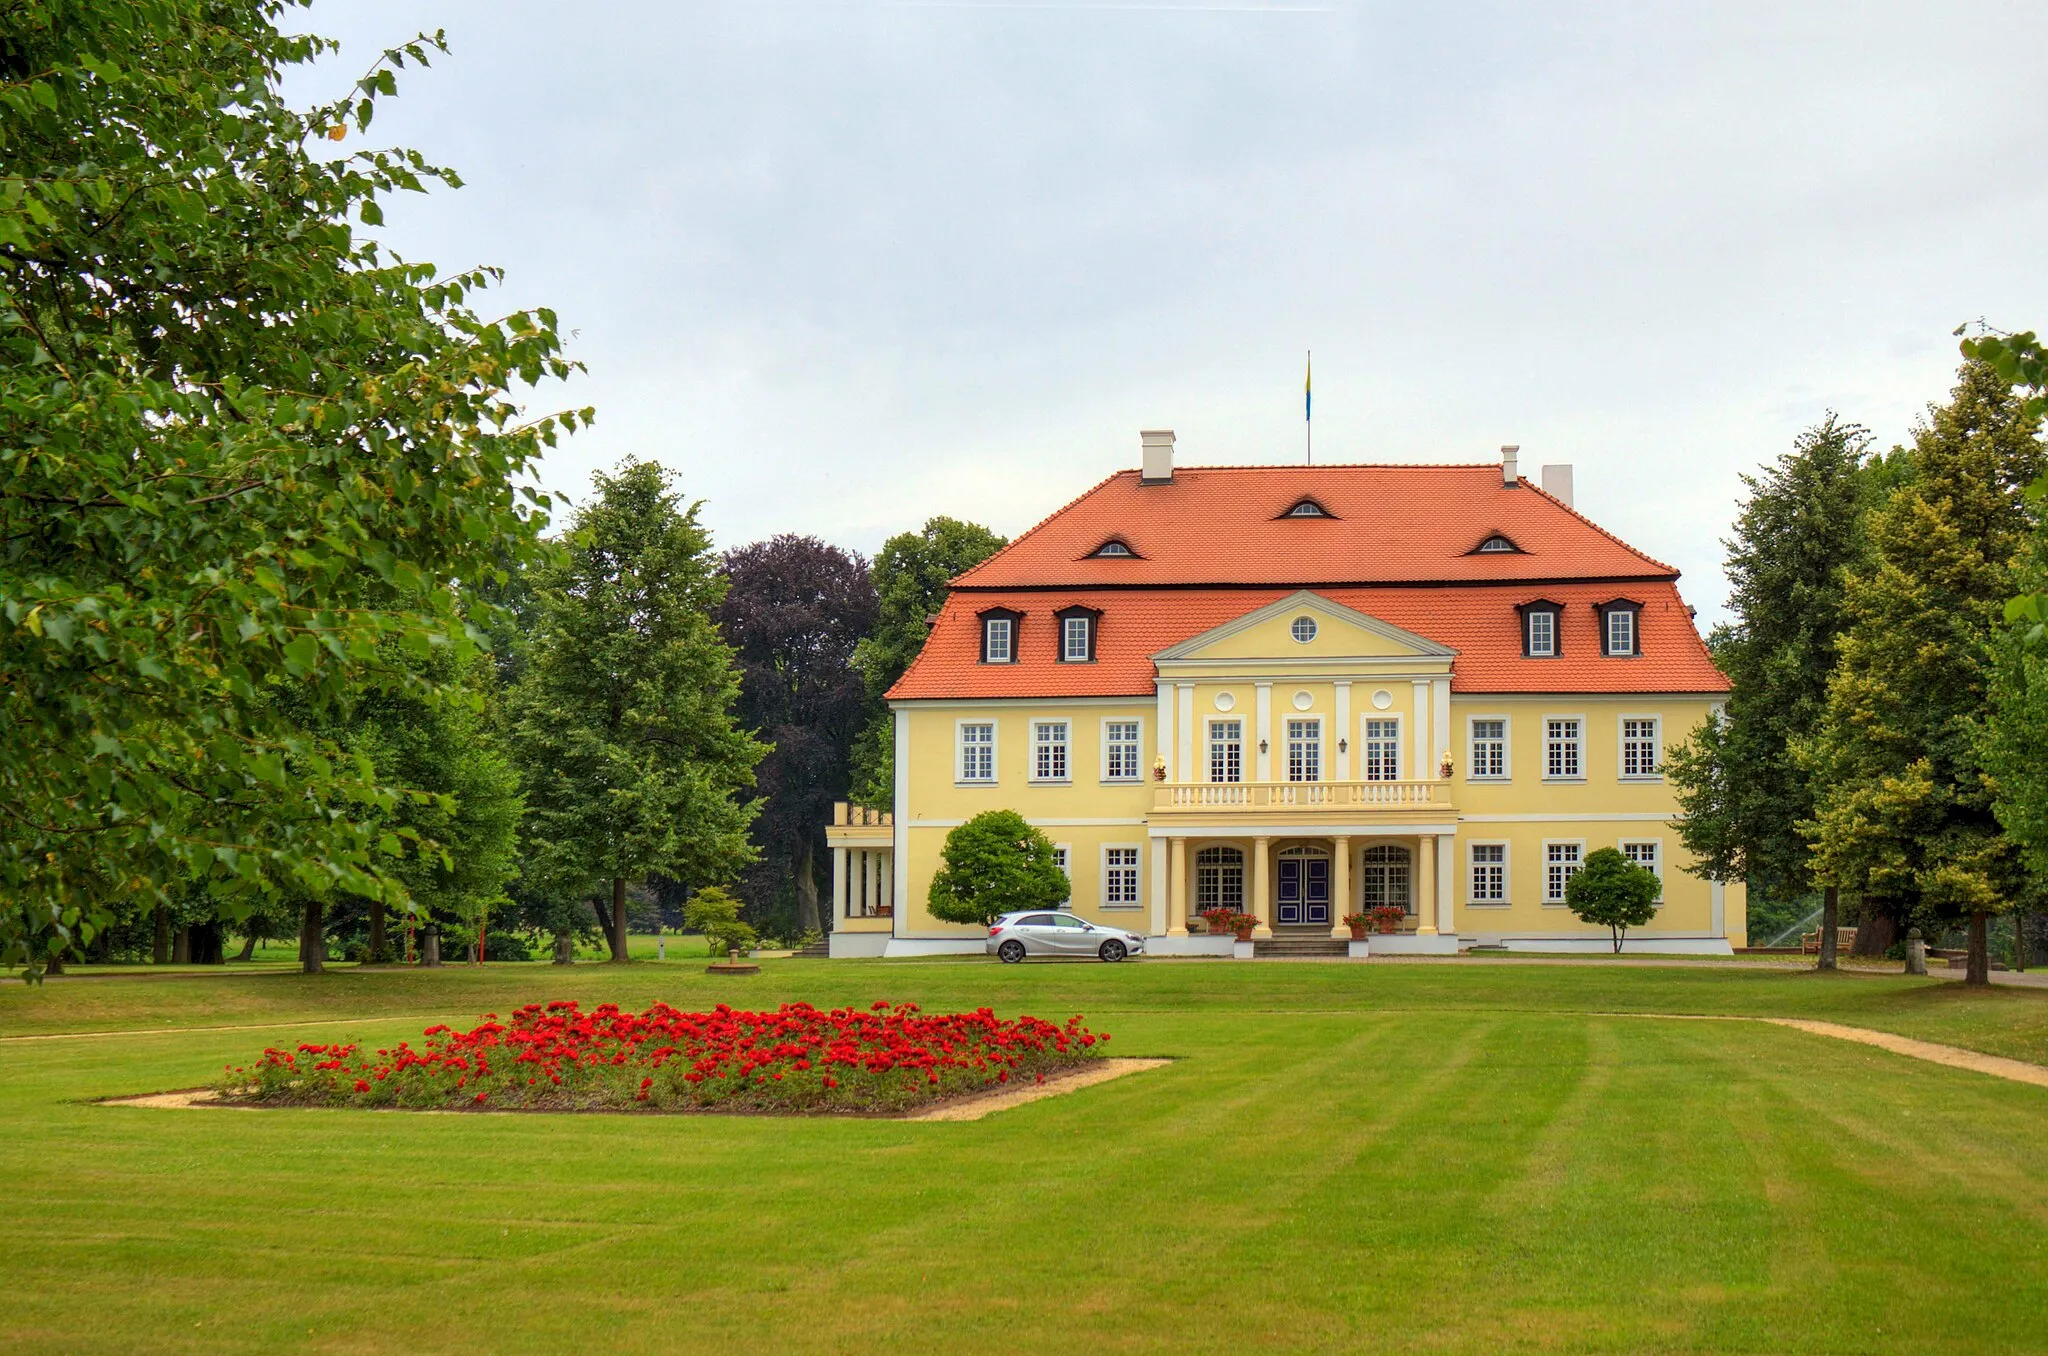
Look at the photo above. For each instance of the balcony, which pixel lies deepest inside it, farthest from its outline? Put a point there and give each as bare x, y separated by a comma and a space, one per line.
1215, 802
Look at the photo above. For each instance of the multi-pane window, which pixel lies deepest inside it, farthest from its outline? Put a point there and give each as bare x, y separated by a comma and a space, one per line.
1304, 750
1385, 877
1074, 640
996, 638
1647, 853
1061, 858
1561, 861
1639, 753
1119, 877
977, 752
1489, 873
1226, 750
1120, 751
1561, 747
1542, 625
1489, 749
1382, 760
1621, 631
1049, 750
1219, 879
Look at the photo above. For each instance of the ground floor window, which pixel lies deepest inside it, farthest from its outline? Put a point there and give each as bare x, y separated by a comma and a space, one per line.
1219, 879
1646, 853
1489, 873
1386, 878
1120, 877
1561, 861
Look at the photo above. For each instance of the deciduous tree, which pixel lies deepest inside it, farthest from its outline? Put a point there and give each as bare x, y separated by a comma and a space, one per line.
1612, 892
993, 864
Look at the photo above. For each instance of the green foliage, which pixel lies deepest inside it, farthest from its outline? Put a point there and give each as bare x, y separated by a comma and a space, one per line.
623, 724
911, 575
245, 451
1902, 813
993, 864
2013, 740
716, 914
1612, 892
2021, 361
1741, 793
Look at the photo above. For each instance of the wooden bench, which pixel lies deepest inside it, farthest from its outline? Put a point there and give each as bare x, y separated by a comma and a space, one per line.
1845, 941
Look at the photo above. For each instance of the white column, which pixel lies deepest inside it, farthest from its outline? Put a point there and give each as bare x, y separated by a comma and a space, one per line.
1441, 691
1343, 745
1262, 718
1340, 885
1446, 869
1188, 769
1425, 887
1157, 847
1262, 886
839, 882
1423, 766
1162, 738
899, 883
1177, 891
1718, 892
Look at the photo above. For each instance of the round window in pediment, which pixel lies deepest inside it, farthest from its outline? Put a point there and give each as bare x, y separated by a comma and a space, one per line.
1304, 629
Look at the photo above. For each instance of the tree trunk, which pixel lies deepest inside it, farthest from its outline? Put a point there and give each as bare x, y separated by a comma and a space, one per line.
378, 941
313, 939
2019, 942
181, 947
1830, 923
53, 964
1875, 934
160, 948
806, 887
248, 947
208, 943
1979, 971
565, 949
618, 938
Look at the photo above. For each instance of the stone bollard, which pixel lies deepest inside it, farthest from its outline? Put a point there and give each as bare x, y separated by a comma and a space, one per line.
433, 954
1916, 952
661, 948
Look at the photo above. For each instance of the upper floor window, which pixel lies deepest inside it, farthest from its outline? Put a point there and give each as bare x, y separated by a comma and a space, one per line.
1541, 626
1120, 751
1114, 550
998, 637
1489, 749
1077, 634
1621, 631
1640, 752
1304, 750
1049, 750
977, 751
1382, 760
1308, 508
1497, 545
1226, 750
1561, 740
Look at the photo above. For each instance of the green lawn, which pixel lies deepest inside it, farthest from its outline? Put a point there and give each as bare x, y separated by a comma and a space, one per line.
1393, 1157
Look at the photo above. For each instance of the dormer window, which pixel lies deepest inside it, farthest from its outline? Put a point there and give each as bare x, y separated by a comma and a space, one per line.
1113, 550
1497, 545
1621, 628
999, 635
1307, 508
1540, 629
1077, 627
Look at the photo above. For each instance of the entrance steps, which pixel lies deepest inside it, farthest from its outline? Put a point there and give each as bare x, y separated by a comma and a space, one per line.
1301, 946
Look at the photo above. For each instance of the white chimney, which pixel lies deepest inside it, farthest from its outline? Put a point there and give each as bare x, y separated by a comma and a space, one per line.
1557, 483
1509, 475
1158, 463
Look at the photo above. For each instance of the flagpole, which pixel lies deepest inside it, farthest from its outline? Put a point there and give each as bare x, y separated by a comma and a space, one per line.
1308, 411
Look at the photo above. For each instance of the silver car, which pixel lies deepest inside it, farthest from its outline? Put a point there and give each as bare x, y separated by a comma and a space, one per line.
1042, 932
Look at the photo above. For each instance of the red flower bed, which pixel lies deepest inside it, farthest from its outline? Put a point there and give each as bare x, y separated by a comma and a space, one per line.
795, 1059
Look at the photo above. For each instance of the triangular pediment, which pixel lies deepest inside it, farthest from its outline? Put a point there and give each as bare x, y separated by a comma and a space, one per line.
1274, 632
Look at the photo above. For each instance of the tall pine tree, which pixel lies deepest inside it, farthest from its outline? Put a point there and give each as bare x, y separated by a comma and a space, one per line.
632, 760
1742, 793
1902, 812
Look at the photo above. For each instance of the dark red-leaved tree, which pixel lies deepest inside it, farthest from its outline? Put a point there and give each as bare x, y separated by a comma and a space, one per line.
795, 611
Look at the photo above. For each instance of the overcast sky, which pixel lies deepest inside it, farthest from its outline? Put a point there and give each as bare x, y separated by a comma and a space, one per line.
847, 265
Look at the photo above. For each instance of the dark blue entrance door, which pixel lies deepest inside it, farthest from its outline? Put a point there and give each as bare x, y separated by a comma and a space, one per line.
1304, 890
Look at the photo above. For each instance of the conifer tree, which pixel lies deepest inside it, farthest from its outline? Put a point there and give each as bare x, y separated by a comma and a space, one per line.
1902, 812
633, 762
1742, 793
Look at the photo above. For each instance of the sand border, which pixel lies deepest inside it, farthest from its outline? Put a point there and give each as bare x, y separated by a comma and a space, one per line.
970, 1107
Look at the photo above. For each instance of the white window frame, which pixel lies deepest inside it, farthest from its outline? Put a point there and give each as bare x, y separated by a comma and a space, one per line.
1507, 874
1137, 878
988, 634
1578, 776
1621, 746
1065, 745
1607, 632
1656, 862
1544, 865
1529, 633
1365, 745
995, 735
1315, 745
1507, 750
1069, 628
1209, 725
1137, 773
1063, 853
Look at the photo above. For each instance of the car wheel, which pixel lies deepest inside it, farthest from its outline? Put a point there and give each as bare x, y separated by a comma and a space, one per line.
1011, 952
1114, 951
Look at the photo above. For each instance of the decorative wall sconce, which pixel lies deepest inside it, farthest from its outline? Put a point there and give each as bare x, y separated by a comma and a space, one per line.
1262, 746
1343, 744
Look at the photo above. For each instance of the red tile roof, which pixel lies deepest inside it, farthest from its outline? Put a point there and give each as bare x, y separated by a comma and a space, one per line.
1479, 622
1387, 525
1399, 545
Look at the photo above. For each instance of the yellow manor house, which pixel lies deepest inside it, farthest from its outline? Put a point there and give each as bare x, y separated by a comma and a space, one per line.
1302, 692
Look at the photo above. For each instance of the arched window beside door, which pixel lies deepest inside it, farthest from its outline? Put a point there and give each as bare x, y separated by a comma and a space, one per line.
1219, 879
1387, 877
